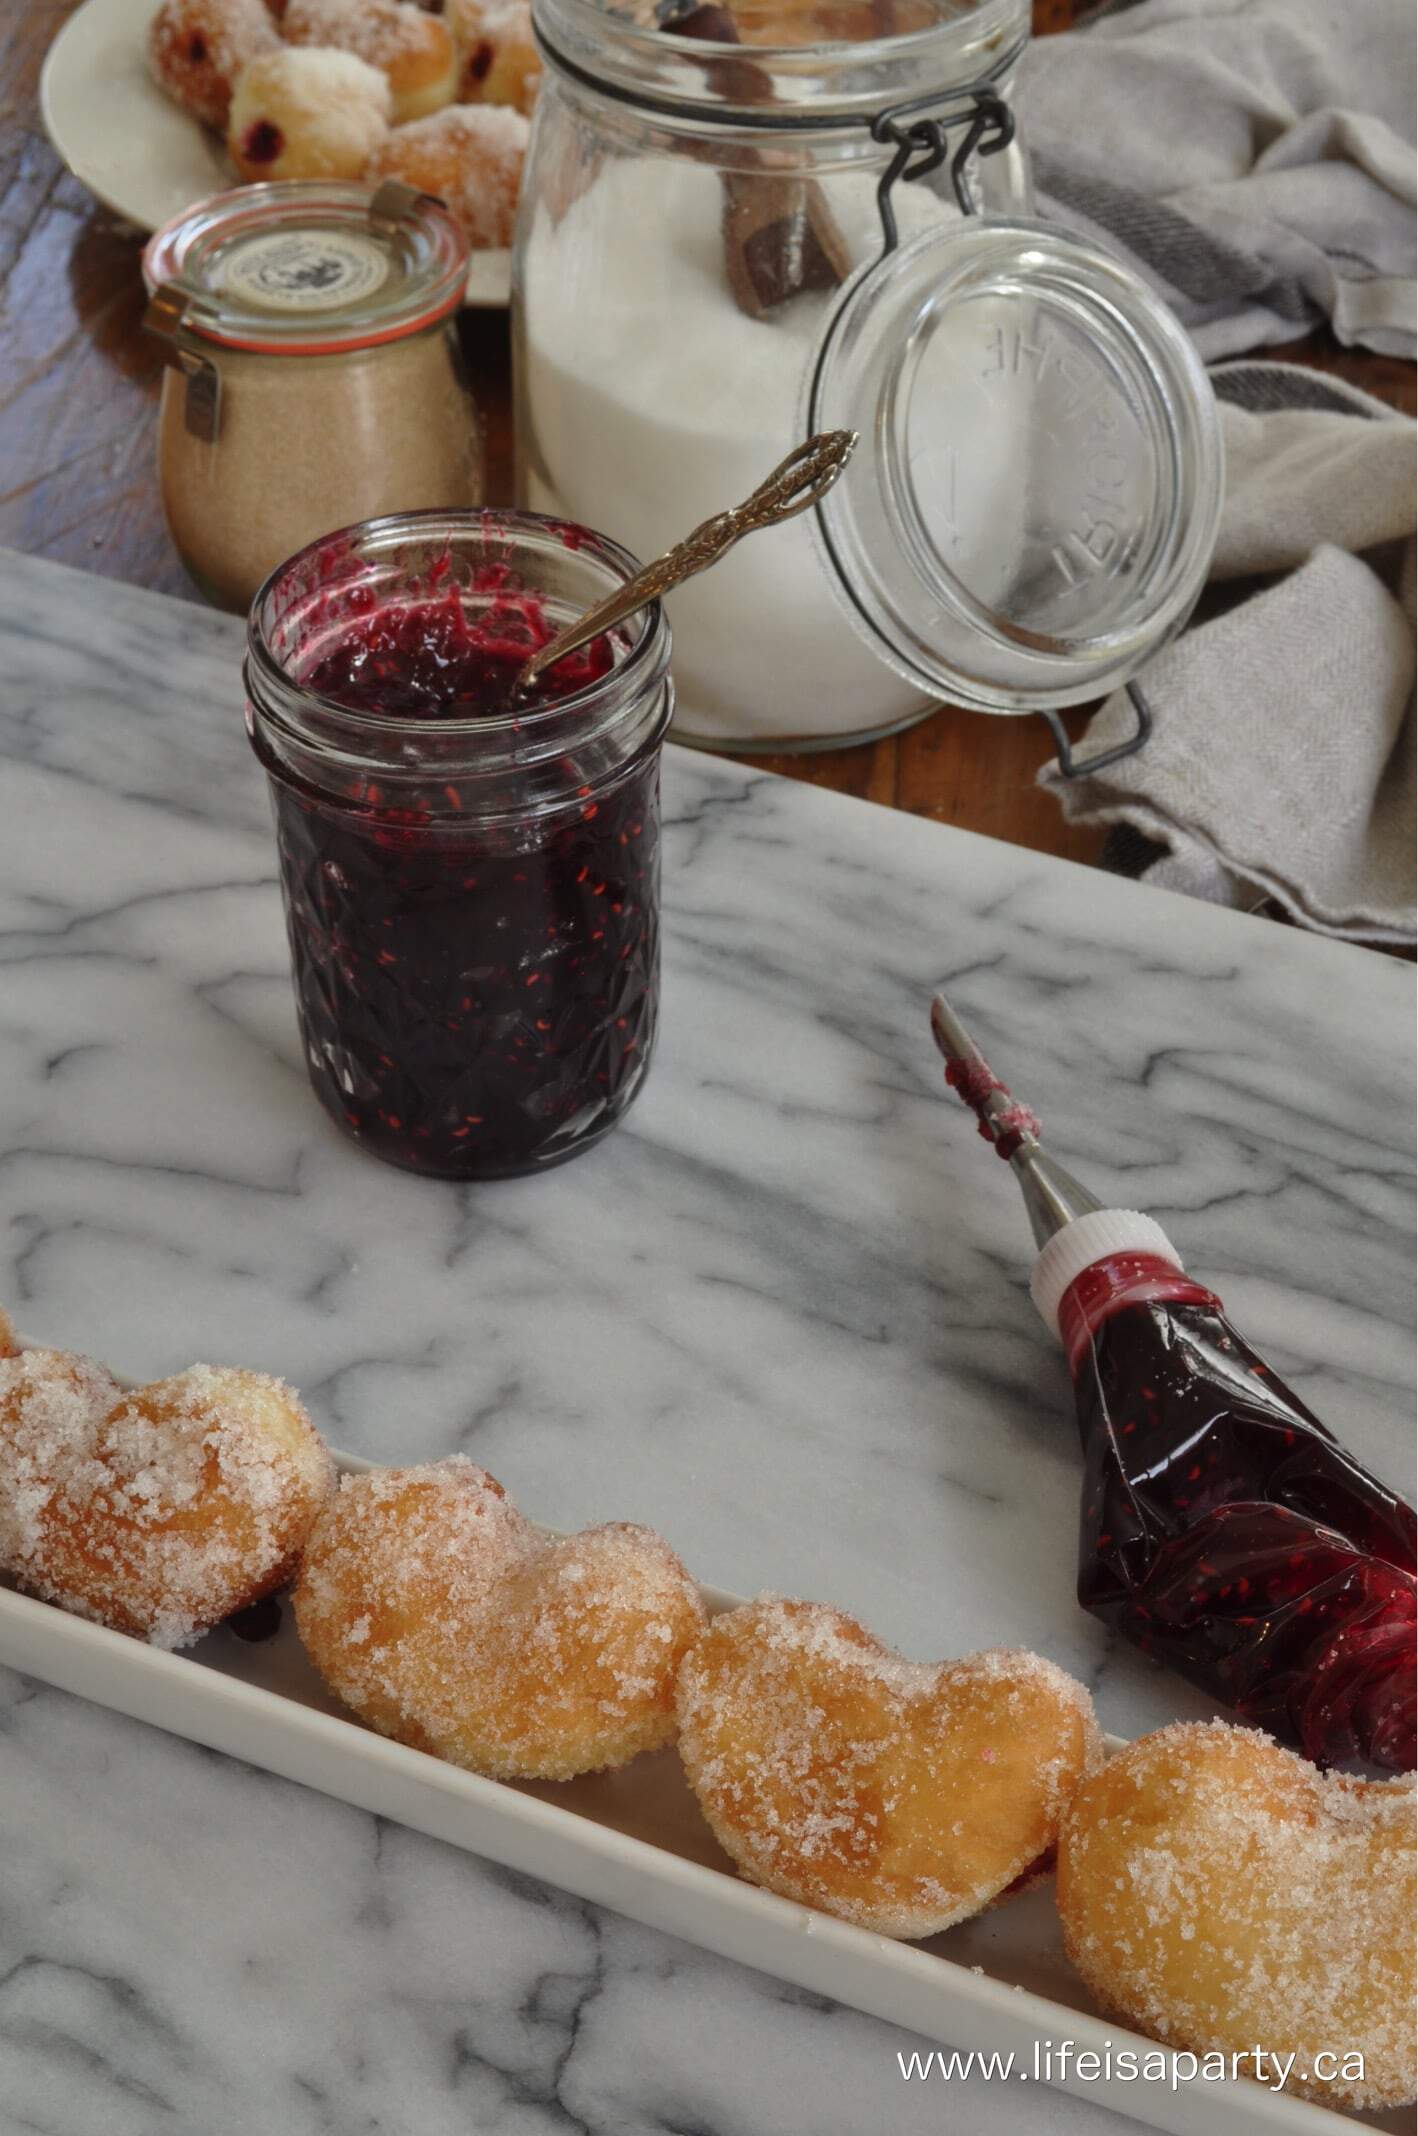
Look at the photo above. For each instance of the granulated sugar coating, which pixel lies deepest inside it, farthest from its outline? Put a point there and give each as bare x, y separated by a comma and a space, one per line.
901, 1795
51, 1405
413, 50
304, 111
198, 48
1222, 1894
158, 1512
500, 61
438, 1613
471, 155
380, 31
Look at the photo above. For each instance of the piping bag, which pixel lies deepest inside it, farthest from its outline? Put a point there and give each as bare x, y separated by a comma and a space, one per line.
1224, 1530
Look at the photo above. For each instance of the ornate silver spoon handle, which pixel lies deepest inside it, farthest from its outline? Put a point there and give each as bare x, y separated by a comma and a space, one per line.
804, 477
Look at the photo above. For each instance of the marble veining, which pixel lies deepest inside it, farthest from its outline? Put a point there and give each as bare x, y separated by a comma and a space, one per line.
781, 1314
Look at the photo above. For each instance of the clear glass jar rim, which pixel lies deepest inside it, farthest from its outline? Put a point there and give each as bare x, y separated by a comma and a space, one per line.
271, 687
822, 86
431, 286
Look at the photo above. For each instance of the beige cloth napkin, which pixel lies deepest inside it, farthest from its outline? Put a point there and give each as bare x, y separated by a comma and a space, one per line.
1282, 762
1254, 156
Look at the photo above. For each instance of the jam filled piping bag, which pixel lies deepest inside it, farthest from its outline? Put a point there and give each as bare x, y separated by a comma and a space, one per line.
1224, 1530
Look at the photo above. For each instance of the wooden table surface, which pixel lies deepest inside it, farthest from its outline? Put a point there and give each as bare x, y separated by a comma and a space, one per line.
78, 402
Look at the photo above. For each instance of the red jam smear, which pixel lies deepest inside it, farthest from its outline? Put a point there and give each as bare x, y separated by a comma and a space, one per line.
1226, 1533
975, 1083
475, 1000
263, 142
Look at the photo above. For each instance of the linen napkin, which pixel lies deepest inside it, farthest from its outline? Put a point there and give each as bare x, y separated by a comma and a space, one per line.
1281, 765
1255, 157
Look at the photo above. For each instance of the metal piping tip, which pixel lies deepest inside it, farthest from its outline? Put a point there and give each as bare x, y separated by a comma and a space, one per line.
1052, 1196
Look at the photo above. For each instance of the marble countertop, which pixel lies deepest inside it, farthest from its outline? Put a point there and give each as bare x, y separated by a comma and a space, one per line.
780, 1314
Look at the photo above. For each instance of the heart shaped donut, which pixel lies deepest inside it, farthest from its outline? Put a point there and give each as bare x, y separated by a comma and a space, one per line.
1222, 1895
158, 1512
440, 1615
901, 1795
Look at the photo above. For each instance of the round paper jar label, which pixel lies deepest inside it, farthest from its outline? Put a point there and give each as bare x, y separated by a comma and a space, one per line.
304, 270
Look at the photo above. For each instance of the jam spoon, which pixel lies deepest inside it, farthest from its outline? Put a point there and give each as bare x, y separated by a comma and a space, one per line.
802, 479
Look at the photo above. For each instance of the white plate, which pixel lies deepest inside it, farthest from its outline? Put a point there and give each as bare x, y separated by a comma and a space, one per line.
636, 1842
138, 152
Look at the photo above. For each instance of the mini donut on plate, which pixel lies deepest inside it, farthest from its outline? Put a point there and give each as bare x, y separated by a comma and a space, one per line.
414, 51
162, 1511
471, 157
51, 1405
1224, 1895
436, 1611
499, 60
304, 111
904, 1796
197, 49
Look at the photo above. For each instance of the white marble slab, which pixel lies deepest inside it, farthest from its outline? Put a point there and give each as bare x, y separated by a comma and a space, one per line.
781, 1314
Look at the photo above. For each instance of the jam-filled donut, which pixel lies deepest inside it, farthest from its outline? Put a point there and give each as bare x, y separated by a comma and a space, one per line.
471, 156
901, 1795
436, 1611
499, 60
414, 51
157, 1512
1224, 1895
304, 111
198, 48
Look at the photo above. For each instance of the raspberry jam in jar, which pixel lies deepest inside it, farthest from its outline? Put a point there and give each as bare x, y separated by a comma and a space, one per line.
471, 883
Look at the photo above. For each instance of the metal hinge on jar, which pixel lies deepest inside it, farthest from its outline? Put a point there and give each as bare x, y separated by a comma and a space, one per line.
393, 201
166, 316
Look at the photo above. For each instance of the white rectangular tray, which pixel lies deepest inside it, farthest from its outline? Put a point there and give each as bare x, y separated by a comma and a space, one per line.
636, 1842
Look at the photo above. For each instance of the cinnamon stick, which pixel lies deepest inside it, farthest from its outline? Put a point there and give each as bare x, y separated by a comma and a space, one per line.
780, 236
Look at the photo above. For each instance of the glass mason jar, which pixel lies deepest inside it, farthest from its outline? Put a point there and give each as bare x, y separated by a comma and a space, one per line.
471, 892
723, 249
690, 211
315, 375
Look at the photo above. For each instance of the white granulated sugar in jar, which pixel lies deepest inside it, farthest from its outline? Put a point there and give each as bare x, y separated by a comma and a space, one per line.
655, 402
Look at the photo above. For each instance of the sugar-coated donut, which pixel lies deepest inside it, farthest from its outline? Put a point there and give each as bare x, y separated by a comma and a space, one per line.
304, 111
414, 51
198, 48
901, 1795
441, 1616
499, 60
162, 1511
1223, 1895
470, 156
9, 1341
51, 1405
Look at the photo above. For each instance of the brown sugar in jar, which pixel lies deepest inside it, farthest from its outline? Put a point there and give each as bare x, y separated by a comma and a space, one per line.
315, 376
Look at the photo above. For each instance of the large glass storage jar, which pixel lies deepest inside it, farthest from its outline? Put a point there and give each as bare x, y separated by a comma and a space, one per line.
315, 375
471, 882
690, 213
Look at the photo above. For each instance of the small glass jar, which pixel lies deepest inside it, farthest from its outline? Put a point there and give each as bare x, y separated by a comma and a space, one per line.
690, 214
316, 377
471, 891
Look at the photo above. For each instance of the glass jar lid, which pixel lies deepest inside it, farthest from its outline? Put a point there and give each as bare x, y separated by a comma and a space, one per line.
307, 268
1037, 510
